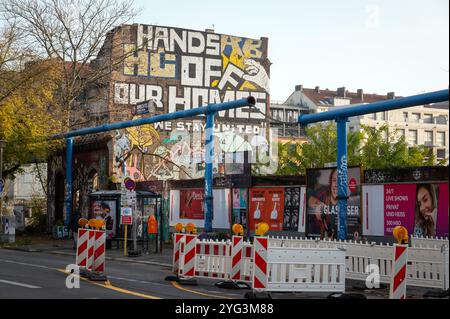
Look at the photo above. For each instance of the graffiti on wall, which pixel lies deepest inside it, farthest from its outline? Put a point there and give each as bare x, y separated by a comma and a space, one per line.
182, 155
171, 69
181, 69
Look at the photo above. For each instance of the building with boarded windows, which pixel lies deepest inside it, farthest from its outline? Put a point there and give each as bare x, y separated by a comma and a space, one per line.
151, 70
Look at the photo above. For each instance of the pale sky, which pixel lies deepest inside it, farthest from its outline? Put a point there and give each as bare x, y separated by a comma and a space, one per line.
377, 45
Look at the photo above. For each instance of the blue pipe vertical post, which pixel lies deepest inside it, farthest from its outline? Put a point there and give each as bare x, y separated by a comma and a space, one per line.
342, 176
69, 178
209, 149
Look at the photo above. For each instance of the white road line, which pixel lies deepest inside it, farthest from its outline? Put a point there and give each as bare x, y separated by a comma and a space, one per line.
26, 264
18, 284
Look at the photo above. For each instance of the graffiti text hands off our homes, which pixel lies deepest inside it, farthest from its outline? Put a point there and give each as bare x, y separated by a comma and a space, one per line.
200, 68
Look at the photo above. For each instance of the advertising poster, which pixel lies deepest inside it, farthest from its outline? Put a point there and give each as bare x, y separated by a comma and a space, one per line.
267, 205
223, 209
240, 207
443, 216
423, 209
398, 201
105, 210
192, 204
431, 210
322, 211
291, 208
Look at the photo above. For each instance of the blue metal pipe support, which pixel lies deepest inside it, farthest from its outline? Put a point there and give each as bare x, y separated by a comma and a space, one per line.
69, 183
211, 108
209, 156
381, 106
341, 115
342, 177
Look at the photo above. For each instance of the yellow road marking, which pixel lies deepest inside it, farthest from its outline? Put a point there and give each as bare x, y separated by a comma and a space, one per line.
108, 285
176, 285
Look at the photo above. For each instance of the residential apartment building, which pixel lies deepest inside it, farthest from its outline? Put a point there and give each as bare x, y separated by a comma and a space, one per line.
24, 190
281, 114
421, 125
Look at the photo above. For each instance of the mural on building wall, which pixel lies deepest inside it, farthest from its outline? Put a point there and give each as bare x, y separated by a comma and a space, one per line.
177, 69
188, 69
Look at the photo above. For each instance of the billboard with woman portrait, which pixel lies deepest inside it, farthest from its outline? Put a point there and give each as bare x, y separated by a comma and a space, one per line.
105, 210
322, 210
420, 207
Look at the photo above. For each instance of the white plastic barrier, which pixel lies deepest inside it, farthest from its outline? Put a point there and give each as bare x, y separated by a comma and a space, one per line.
247, 262
429, 242
306, 269
426, 262
427, 267
446, 270
294, 269
212, 259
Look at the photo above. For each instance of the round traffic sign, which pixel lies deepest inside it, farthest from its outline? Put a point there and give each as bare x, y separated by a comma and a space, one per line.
129, 184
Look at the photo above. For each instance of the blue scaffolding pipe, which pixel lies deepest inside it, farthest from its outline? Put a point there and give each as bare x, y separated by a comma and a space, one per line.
381, 106
69, 178
211, 108
209, 155
208, 110
341, 115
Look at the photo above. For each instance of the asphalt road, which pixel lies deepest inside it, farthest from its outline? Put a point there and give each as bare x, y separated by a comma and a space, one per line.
41, 275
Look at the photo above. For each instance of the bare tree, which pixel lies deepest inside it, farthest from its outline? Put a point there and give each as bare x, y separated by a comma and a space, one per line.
71, 32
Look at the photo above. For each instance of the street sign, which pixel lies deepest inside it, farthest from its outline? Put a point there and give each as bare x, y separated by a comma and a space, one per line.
143, 108
131, 198
129, 184
126, 217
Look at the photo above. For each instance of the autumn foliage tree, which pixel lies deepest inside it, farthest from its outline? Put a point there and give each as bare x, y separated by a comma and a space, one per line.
46, 50
28, 112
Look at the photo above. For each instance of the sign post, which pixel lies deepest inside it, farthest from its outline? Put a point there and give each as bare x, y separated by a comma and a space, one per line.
130, 185
126, 219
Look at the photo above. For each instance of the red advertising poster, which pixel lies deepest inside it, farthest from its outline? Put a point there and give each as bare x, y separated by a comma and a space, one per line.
399, 202
266, 205
275, 209
257, 207
442, 213
191, 204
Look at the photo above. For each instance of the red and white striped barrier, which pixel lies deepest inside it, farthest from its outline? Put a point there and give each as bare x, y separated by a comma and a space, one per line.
211, 259
81, 258
187, 258
177, 245
99, 251
241, 260
91, 245
398, 285
260, 271
236, 257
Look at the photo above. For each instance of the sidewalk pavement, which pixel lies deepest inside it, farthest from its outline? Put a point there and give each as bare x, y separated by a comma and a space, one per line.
65, 247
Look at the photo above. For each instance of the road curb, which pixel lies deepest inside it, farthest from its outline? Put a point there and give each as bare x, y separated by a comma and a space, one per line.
28, 250
154, 263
